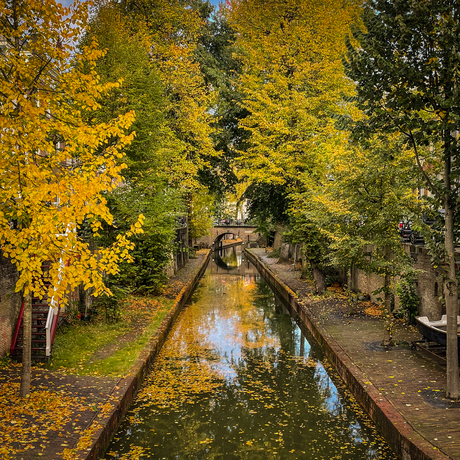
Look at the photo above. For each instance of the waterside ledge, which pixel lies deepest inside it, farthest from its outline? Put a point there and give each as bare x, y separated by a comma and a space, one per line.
407, 442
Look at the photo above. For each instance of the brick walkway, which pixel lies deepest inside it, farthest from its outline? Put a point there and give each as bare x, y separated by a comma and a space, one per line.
408, 383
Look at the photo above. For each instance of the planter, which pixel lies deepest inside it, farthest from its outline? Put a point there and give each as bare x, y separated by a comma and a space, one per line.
364, 297
85, 317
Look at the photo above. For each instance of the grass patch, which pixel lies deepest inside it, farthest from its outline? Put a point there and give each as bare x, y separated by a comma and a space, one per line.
120, 362
109, 349
73, 348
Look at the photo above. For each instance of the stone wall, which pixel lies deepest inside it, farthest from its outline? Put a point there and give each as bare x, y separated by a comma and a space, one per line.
290, 252
10, 303
428, 284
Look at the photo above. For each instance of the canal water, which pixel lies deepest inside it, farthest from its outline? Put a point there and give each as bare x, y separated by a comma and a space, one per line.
238, 379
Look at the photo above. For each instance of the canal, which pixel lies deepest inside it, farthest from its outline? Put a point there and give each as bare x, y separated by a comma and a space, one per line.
239, 379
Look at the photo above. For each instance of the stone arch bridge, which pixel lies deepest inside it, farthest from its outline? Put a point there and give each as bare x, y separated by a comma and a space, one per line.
218, 233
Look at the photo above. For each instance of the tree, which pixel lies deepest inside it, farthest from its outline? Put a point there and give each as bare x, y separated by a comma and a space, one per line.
220, 64
201, 210
55, 167
292, 85
173, 33
367, 191
147, 188
174, 29
405, 62
292, 82
268, 206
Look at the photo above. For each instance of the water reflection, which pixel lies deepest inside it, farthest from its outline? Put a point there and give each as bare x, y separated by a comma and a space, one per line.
231, 261
239, 379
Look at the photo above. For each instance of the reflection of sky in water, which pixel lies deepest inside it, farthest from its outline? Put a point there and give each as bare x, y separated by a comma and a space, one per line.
276, 400
300, 341
226, 339
328, 389
223, 331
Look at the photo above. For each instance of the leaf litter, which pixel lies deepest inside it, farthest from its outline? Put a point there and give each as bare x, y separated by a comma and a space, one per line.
261, 400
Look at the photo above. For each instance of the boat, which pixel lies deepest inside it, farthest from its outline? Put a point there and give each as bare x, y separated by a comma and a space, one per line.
435, 331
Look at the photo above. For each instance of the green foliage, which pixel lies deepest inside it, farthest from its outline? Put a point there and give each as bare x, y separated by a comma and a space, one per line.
127, 60
274, 254
314, 244
109, 306
5, 361
405, 64
201, 210
148, 186
265, 227
220, 64
407, 83
409, 301
332, 279
154, 248
268, 202
357, 205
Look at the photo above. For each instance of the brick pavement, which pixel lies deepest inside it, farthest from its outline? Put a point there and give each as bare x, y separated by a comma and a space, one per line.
408, 384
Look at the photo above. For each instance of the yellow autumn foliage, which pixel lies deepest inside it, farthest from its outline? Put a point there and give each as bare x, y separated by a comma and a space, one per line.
292, 84
55, 163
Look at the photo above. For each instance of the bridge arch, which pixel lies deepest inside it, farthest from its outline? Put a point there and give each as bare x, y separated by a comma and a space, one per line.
220, 237
248, 234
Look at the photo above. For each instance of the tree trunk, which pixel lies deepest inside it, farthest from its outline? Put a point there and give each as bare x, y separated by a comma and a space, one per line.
450, 284
320, 279
451, 298
304, 265
388, 331
26, 347
318, 276
189, 235
353, 276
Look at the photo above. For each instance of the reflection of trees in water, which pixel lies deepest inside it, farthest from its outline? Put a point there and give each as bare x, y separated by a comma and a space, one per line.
230, 260
272, 407
271, 403
243, 266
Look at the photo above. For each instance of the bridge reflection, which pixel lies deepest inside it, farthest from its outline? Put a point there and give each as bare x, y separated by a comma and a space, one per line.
231, 261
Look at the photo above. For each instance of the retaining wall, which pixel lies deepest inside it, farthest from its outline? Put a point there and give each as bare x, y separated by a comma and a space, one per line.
429, 285
10, 303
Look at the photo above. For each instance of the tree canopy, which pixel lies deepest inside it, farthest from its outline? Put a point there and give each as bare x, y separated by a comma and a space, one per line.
55, 167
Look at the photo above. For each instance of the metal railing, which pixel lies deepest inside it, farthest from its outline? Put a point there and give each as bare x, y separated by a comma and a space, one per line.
51, 326
16, 331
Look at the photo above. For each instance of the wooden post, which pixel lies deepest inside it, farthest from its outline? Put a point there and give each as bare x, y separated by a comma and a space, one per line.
388, 332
